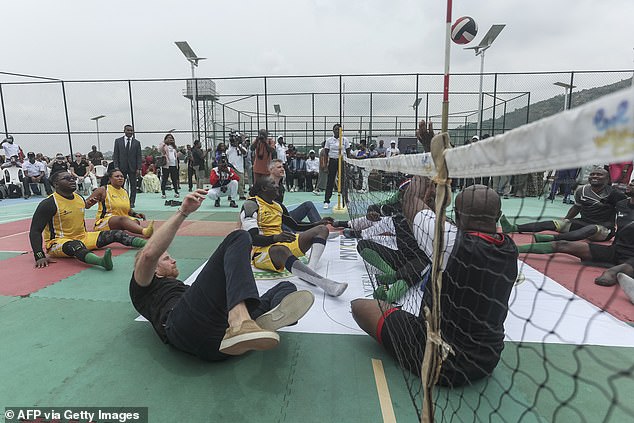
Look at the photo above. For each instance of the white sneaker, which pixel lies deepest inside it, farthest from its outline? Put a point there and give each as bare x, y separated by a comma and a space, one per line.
326, 206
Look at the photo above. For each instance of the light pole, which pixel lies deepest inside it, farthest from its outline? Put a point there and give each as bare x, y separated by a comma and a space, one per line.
193, 60
96, 119
486, 42
568, 88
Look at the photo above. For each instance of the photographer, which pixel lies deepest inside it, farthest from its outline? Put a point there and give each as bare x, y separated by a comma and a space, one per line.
224, 183
235, 155
263, 154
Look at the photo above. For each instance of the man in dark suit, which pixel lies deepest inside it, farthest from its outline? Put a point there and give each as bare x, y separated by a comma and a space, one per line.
127, 158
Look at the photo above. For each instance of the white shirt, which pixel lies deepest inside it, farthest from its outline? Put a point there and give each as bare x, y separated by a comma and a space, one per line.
392, 151
171, 155
33, 169
281, 152
332, 144
10, 150
423, 229
236, 158
312, 165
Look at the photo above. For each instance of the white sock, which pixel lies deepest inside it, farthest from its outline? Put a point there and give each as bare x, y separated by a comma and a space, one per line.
627, 284
305, 273
319, 245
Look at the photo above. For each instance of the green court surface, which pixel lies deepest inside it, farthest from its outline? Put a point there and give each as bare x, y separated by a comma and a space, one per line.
75, 343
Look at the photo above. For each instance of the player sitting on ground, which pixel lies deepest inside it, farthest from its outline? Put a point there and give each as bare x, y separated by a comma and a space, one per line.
114, 210
479, 270
274, 249
214, 317
620, 253
61, 218
595, 201
402, 263
305, 210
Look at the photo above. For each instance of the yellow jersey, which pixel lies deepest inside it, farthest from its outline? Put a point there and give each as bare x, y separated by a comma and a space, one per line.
116, 203
68, 221
257, 213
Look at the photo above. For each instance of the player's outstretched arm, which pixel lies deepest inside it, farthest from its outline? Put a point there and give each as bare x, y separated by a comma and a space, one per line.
145, 265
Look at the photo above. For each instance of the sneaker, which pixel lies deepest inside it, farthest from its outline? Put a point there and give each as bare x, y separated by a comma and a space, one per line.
316, 192
176, 195
292, 308
163, 196
217, 202
326, 206
242, 197
168, 202
233, 204
246, 337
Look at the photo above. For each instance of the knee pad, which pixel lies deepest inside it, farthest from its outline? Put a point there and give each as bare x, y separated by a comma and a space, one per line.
75, 249
108, 237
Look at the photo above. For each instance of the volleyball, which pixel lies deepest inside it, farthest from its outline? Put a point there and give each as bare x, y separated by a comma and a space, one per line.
464, 30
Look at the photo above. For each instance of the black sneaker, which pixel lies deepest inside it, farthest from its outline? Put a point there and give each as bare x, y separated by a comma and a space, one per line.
168, 202
175, 203
217, 203
233, 204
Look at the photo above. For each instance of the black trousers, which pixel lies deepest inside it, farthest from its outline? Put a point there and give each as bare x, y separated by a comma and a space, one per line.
197, 323
169, 172
333, 168
190, 177
131, 178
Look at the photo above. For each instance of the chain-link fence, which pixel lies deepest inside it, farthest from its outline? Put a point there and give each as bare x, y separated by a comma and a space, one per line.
59, 116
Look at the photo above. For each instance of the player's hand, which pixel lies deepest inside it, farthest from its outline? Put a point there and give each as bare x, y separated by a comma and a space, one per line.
43, 262
425, 132
327, 221
192, 201
284, 237
373, 216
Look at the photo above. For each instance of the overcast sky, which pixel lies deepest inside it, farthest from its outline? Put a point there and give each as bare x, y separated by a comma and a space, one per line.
86, 39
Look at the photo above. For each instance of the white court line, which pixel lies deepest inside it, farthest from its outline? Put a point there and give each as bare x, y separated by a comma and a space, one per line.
9, 236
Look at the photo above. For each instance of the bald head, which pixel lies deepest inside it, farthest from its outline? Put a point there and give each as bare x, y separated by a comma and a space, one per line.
478, 208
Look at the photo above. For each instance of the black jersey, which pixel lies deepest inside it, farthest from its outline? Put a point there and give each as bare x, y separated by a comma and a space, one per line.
476, 287
155, 301
598, 207
624, 239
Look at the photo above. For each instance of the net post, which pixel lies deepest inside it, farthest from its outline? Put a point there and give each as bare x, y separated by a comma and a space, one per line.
435, 348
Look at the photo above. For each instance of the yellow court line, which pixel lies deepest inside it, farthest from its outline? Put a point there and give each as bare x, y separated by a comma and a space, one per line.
384, 393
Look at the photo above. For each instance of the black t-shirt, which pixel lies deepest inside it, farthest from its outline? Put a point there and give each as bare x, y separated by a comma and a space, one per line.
155, 301
476, 287
598, 207
95, 157
80, 168
624, 239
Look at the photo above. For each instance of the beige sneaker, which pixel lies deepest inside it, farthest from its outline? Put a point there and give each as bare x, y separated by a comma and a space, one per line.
292, 308
246, 337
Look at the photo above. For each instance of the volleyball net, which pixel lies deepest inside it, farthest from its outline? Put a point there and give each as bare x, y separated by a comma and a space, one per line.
482, 333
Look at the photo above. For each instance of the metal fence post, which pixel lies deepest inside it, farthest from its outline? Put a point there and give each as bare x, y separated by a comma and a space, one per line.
313, 116
131, 107
266, 106
4, 113
495, 93
70, 140
572, 80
